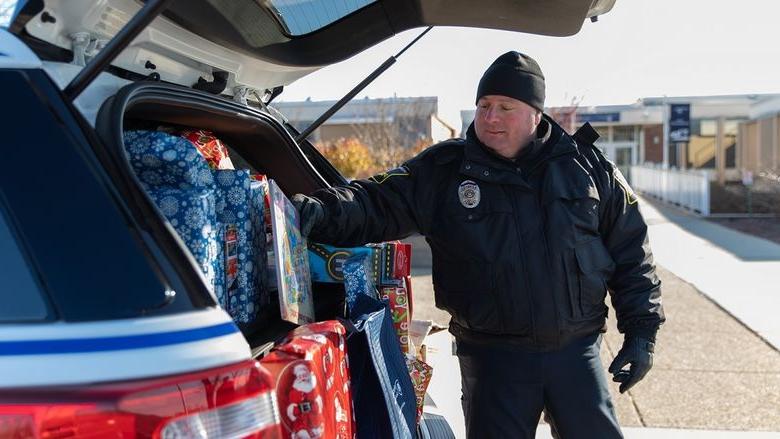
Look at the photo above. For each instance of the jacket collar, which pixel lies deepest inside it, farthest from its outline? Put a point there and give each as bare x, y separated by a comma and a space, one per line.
482, 163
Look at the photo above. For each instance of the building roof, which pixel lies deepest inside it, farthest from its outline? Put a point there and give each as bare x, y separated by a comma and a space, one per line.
748, 99
361, 110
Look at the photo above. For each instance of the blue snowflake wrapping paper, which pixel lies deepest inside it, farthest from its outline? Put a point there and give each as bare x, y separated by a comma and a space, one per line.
177, 177
237, 210
192, 214
357, 280
165, 161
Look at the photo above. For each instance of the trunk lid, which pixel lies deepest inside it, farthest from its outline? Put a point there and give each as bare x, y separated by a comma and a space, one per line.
263, 44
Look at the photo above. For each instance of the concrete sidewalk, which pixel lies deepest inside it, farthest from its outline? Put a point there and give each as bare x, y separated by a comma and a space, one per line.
740, 272
447, 402
713, 375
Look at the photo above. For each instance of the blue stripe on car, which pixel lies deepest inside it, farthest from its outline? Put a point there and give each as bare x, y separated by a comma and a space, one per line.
98, 344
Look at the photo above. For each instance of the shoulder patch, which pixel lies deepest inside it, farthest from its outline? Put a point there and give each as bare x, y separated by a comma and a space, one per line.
397, 172
631, 197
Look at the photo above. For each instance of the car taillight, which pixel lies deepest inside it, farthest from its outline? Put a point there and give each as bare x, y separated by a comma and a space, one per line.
235, 401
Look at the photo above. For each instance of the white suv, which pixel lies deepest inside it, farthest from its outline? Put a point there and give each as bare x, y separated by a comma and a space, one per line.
108, 326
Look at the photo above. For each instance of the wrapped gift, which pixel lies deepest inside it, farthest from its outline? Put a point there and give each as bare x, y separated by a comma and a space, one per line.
389, 262
397, 259
192, 214
421, 374
210, 147
326, 262
402, 257
312, 377
357, 280
269, 279
239, 211
287, 267
164, 161
175, 171
399, 310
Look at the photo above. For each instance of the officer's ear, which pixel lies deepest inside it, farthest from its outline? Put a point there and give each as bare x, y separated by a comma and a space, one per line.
537, 118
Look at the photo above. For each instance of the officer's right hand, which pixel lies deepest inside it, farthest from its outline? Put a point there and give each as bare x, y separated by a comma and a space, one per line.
310, 212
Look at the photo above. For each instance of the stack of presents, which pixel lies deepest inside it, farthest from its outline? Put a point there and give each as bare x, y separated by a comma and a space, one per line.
360, 375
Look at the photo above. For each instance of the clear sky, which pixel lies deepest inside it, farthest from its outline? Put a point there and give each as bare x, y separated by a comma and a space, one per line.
641, 48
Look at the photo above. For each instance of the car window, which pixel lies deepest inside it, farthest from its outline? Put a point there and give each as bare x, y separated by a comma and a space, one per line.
94, 262
301, 17
21, 299
8, 9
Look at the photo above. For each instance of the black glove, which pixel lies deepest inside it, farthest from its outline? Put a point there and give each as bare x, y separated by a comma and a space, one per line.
310, 212
638, 352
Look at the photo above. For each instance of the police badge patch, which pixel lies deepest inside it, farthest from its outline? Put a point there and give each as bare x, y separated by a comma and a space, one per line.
468, 193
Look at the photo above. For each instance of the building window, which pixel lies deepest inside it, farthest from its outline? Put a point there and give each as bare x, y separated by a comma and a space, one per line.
603, 133
623, 133
702, 143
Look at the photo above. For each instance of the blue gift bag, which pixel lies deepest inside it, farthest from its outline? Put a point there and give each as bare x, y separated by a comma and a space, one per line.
383, 394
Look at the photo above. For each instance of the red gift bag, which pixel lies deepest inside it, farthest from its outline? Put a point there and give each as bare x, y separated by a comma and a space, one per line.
311, 371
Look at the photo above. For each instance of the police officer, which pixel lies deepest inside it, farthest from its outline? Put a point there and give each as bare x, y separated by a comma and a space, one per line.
529, 230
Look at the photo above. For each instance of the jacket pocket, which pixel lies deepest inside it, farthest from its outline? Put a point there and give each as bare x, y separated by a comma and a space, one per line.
465, 288
588, 267
572, 201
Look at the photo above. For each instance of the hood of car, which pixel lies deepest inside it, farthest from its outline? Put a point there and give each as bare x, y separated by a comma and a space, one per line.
262, 44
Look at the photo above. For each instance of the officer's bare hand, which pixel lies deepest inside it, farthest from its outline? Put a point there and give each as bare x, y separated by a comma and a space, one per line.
636, 352
310, 212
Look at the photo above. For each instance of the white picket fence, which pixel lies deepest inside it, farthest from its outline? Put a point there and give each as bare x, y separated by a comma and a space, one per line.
689, 189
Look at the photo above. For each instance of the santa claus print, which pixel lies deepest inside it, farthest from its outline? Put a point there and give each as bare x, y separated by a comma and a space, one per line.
327, 368
304, 405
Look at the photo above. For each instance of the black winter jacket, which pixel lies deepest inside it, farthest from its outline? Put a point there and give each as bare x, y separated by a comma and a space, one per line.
523, 251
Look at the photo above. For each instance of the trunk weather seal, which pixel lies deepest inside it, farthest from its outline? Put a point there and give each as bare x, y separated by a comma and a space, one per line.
135, 93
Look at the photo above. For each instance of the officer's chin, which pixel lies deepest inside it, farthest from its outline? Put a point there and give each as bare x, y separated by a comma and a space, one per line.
505, 152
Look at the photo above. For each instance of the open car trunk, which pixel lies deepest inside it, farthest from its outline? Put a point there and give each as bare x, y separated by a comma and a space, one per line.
256, 141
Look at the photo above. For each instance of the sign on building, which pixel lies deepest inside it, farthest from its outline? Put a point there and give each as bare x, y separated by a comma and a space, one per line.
680, 122
597, 117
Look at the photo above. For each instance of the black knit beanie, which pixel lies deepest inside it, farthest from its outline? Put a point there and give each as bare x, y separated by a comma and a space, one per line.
515, 75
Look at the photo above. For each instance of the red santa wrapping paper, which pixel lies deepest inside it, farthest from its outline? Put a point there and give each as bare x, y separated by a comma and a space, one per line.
312, 382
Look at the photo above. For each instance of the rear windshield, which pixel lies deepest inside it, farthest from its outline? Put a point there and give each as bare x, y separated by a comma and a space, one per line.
301, 17
8, 9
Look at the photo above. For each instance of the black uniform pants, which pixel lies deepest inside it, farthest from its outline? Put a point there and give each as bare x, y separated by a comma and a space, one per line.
505, 389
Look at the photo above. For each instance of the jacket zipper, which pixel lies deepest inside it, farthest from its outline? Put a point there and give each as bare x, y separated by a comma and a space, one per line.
547, 254
524, 261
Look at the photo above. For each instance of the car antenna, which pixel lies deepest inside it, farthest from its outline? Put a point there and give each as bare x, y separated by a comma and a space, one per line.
348, 97
125, 36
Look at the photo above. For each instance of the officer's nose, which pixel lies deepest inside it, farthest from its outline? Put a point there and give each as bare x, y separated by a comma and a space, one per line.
489, 114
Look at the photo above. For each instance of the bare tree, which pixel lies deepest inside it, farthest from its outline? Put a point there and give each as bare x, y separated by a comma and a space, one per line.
392, 130
566, 116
